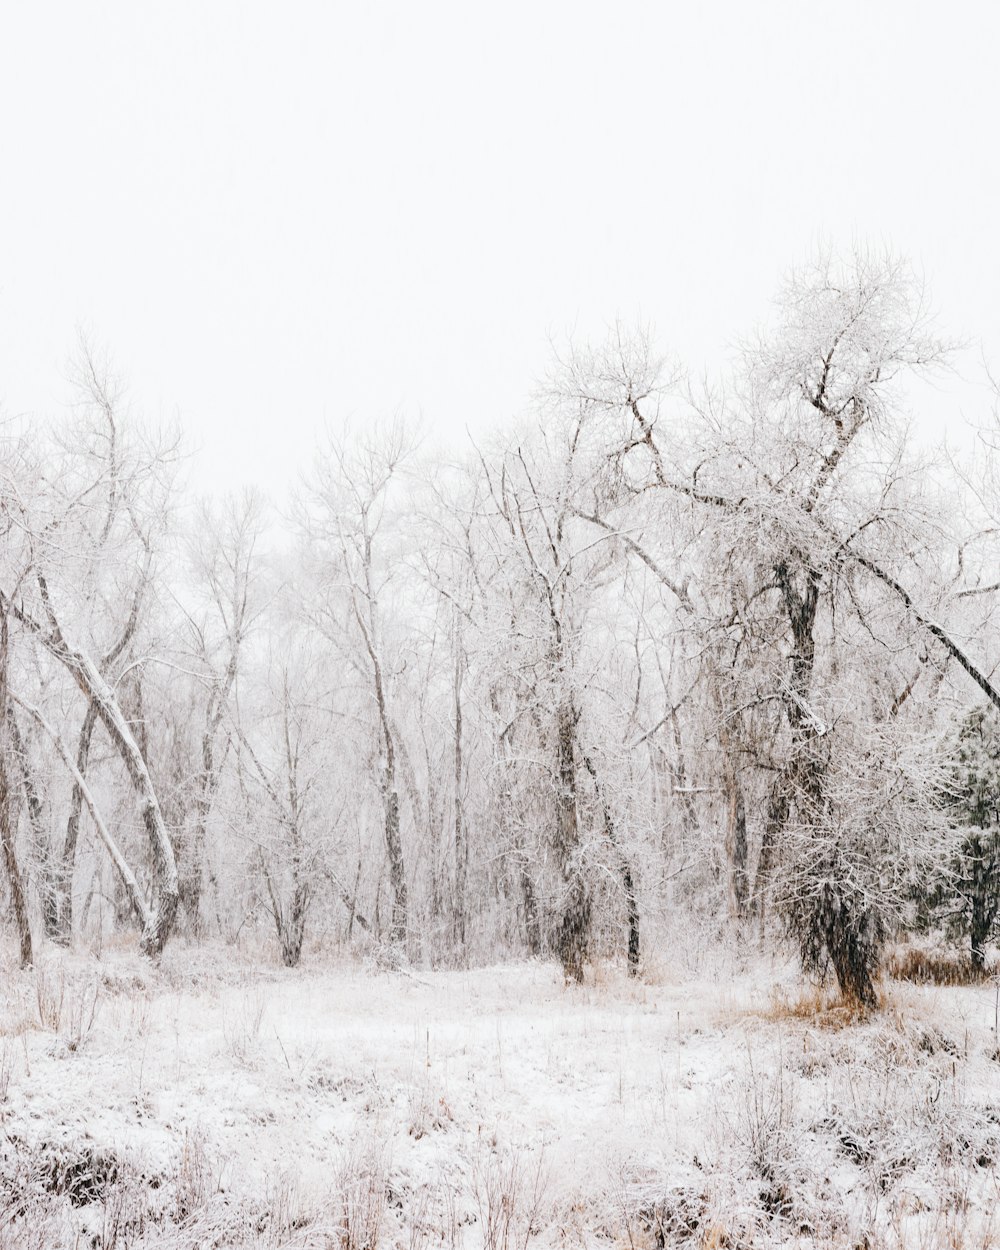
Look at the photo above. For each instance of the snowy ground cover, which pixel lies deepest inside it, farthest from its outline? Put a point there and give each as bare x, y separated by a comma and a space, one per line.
218, 1100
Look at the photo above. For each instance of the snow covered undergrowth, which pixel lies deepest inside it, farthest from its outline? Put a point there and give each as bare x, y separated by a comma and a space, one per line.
211, 1102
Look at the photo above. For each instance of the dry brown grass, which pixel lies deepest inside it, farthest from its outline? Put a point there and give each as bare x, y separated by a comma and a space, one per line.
817, 1005
928, 966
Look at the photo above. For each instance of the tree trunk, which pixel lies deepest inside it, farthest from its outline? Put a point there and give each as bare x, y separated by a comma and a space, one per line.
461, 845
397, 875
96, 689
8, 826
573, 935
736, 850
290, 923
983, 907
532, 922
192, 874
736, 820
399, 923
125, 874
67, 864
293, 930
164, 911
42, 850
292, 926
832, 919
17, 898
628, 881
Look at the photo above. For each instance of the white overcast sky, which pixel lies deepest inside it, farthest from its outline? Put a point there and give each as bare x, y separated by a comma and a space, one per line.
276, 214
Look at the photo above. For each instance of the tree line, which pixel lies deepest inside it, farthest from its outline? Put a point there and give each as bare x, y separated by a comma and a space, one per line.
658, 653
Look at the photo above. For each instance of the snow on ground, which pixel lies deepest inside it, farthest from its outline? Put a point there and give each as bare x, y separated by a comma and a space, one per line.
220, 1101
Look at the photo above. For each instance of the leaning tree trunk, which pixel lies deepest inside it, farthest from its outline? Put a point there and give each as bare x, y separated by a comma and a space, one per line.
126, 877
64, 878
92, 683
399, 922
164, 911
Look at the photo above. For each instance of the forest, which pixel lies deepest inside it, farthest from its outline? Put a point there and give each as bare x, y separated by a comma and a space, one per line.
666, 672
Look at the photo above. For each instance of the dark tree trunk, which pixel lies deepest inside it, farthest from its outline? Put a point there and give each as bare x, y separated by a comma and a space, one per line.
18, 901
292, 927
573, 933
41, 849
290, 921
828, 918
628, 881
736, 850
979, 933
532, 923
853, 944
397, 874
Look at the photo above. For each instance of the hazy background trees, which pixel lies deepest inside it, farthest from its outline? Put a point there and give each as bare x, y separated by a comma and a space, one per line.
659, 654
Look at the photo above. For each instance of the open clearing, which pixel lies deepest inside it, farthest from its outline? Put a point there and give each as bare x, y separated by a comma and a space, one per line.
215, 1101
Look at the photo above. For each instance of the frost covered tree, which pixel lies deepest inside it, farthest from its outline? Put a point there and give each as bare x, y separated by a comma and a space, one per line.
658, 651
345, 520
287, 782
87, 504
225, 598
797, 486
549, 595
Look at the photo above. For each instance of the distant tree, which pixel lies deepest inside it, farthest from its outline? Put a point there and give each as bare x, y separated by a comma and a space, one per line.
345, 520
224, 589
287, 771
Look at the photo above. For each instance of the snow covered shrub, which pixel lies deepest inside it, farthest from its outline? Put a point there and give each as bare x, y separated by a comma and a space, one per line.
360, 1185
242, 1029
510, 1187
49, 991
67, 1004
198, 1178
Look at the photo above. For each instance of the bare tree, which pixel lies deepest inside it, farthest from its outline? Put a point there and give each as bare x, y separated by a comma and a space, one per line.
779, 482
89, 517
223, 557
344, 520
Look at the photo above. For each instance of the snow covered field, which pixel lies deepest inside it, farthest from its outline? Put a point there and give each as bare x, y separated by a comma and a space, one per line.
219, 1101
